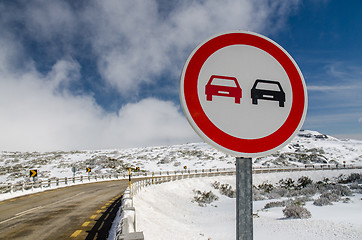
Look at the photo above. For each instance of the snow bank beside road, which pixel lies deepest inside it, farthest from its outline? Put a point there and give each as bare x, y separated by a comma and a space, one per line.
166, 212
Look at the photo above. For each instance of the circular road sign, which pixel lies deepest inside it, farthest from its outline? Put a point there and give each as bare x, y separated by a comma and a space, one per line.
243, 94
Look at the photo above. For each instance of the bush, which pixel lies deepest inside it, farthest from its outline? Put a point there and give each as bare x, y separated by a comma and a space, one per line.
341, 190
287, 183
302, 200
309, 190
330, 196
277, 204
258, 195
322, 202
216, 185
266, 187
352, 178
278, 193
226, 189
304, 181
203, 198
296, 211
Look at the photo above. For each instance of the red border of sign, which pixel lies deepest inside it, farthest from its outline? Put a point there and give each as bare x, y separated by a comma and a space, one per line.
221, 138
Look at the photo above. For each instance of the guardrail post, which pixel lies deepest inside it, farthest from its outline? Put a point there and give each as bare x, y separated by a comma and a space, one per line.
65, 180
57, 181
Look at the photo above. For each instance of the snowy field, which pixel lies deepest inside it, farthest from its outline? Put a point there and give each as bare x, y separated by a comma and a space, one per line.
309, 147
166, 211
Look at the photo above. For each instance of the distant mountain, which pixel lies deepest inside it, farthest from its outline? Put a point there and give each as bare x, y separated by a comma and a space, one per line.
309, 147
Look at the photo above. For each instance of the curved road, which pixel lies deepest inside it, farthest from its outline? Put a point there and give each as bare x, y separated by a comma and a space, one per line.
83, 211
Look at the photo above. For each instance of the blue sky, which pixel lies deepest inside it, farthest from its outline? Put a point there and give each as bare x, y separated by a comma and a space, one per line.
105, 74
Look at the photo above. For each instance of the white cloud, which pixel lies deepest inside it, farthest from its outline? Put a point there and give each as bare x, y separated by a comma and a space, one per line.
49, 19
149, 122
36, 117
132, 43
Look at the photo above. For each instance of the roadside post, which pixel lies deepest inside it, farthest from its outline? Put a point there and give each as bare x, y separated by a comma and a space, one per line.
129, 178
74, 169
88, 170
244, 95
33, 174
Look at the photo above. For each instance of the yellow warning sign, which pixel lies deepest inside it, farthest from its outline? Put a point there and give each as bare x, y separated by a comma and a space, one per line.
33, 173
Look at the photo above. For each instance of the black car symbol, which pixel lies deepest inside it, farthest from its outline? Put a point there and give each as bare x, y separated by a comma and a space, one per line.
267, 90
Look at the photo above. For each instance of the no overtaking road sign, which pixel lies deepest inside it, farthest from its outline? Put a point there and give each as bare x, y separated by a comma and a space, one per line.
243, 94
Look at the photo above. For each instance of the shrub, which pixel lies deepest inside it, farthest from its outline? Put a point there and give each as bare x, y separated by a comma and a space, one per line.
278, 193
203, 198
302, 200
352, 178
304, 181
258, 195
330, 196
287, 183
309, 190
322, 202
226, 189
266, 187
296, 211
216, 185
341, 190
277, 204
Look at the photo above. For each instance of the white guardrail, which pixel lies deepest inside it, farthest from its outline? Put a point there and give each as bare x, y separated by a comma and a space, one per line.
126, 229
56, 182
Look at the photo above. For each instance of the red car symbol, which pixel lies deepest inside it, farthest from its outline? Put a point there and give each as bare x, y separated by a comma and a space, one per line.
223, 86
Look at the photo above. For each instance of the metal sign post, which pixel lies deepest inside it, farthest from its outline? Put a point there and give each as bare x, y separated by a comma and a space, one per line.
244, 199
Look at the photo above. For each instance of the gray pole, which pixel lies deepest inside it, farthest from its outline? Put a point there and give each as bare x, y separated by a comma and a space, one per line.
244, 199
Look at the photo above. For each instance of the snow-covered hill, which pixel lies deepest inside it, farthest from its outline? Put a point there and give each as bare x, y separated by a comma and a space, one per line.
309, 147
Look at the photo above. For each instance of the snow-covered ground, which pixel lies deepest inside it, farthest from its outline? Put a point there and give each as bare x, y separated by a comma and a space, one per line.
166, 211
309, 147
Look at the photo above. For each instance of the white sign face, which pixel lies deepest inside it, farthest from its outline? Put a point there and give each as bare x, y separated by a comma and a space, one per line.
243, 94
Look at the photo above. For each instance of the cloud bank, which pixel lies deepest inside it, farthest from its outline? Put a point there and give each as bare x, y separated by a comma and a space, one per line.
132, 43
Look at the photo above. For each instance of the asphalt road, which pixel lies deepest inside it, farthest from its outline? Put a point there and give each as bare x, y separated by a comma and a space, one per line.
78, 212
